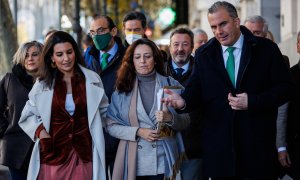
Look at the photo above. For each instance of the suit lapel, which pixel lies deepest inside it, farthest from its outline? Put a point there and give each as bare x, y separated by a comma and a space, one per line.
245, 60
217, 62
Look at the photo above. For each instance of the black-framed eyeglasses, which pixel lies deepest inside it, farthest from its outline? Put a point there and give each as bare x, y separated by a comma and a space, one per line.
99, 31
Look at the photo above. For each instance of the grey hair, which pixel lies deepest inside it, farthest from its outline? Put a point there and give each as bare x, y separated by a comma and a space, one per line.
226, 5
298, 34
20, 55
258, 19
199, 31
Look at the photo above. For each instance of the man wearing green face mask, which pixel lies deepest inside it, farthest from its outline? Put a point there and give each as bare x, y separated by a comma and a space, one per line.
107, 53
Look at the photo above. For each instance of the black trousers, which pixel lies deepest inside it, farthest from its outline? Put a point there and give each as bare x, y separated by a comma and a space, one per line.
157, 177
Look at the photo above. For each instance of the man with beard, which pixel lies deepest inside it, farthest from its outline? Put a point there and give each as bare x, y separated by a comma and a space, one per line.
180, 66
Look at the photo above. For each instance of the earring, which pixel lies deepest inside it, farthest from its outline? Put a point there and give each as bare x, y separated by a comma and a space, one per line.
53, 65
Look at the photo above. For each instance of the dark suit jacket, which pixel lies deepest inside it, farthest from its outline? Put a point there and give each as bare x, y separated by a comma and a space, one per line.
192, 134
108, 77
239, 143
293, 125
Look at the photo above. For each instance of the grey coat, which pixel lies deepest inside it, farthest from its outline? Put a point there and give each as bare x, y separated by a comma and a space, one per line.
150, 155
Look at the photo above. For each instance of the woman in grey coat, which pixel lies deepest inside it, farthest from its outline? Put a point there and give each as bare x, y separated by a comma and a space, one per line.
134, 118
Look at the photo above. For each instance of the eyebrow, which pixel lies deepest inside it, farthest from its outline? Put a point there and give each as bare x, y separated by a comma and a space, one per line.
221, 23
64, 51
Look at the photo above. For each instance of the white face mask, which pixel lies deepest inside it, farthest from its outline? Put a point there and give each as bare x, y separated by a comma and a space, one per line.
130, 38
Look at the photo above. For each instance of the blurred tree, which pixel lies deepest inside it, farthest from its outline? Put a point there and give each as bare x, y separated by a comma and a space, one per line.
8, 37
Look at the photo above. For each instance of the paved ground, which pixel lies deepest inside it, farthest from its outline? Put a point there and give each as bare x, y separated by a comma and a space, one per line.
4, 174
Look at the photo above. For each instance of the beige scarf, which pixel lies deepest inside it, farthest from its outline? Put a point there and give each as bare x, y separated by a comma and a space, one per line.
119, 167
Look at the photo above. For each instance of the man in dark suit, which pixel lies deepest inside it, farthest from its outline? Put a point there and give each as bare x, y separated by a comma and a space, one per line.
180, 67
293, 121
259, 27
106, 56
239, 81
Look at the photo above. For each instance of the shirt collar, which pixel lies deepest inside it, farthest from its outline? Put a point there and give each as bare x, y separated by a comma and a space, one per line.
238, 44
185, 67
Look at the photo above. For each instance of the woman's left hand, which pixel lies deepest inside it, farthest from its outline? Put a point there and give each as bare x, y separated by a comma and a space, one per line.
163, 116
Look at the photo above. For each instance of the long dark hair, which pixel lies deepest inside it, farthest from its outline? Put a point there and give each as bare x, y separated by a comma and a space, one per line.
57, 37
127, 73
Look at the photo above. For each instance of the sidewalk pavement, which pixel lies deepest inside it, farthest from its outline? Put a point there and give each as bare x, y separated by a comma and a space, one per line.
4, 174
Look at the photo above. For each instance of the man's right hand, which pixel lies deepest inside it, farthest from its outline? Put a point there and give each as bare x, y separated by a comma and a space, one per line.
284, 159
173, 100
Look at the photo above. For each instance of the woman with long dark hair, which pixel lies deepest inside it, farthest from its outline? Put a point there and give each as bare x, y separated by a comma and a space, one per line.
150, 145
64, 116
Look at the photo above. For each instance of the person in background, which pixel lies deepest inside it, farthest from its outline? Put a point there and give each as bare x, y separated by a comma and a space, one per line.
180, 67
87, 44
134, 27
64, 116
145, 152
270, 36
238, 87
107, 53
259, 27
292, 113
15, 145
200, 38
48, 34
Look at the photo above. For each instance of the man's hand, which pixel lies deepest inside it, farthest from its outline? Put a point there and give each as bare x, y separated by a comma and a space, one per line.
240, 102
174, 99
284, 159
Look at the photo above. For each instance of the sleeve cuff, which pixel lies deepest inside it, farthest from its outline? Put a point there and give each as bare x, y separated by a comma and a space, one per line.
280, 149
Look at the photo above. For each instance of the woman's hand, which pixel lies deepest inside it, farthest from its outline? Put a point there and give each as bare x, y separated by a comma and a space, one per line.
44, 134
148, 134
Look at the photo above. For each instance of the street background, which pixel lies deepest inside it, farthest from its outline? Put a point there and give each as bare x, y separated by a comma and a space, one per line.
25, 20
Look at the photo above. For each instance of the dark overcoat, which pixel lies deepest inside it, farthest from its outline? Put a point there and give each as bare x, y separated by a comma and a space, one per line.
108, 77
239, 142
15, 145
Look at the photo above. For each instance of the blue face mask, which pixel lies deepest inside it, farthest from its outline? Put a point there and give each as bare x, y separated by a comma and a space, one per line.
102, 41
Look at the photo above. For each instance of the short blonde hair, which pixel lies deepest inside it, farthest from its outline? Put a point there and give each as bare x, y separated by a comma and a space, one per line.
20, 55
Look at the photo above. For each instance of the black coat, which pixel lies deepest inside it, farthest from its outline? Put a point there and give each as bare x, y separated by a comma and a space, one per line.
239, 143
293, 125
15, 145
108, 77
192, 134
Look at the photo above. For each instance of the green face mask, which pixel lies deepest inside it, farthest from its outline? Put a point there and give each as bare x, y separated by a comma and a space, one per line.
101, 41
